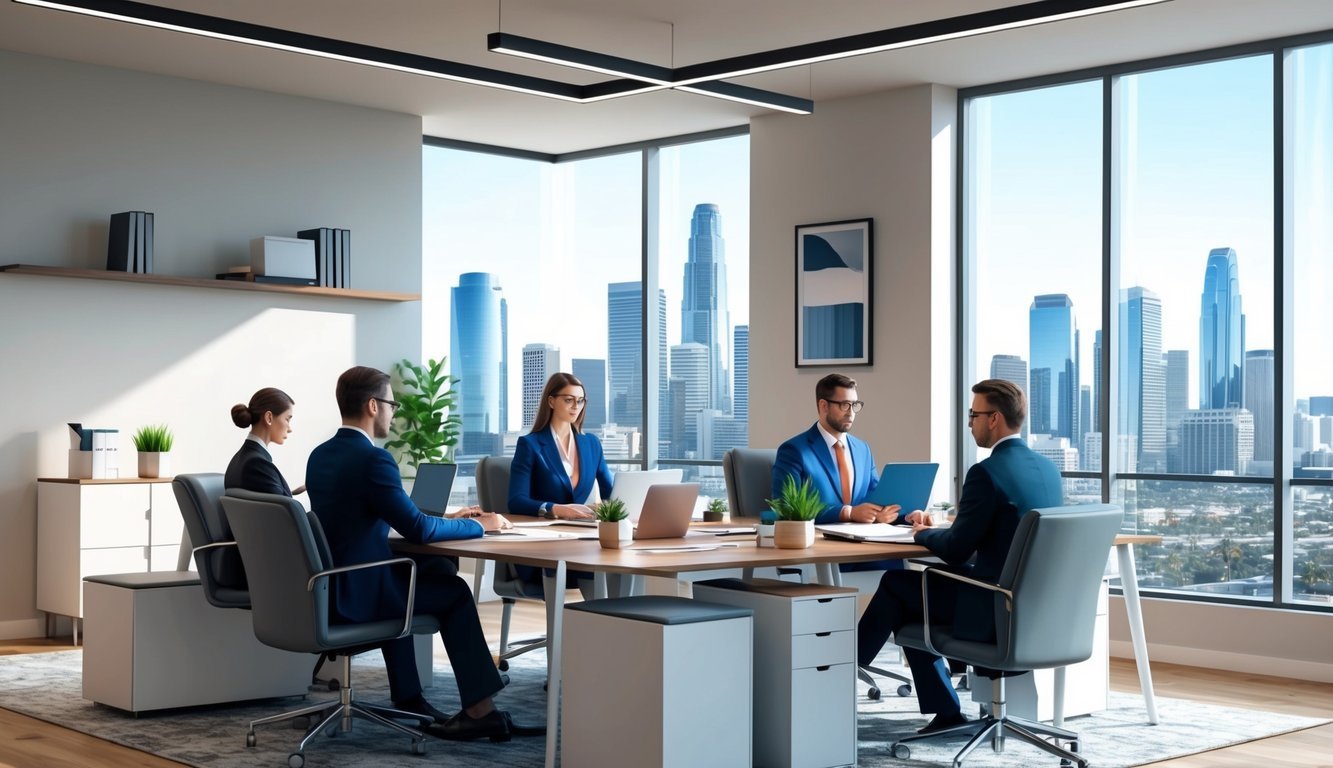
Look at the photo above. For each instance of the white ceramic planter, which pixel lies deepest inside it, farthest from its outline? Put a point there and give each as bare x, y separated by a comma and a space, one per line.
764, 535
153, 464
794, 534
615, 535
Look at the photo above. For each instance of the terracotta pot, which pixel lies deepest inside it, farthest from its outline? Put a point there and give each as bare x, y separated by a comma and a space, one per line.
615, 535
794, 534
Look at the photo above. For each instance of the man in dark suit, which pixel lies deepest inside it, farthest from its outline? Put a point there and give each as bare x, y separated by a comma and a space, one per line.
996, 493
840, 468
357, 493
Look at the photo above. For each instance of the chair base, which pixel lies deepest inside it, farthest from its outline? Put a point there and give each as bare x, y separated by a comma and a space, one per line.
865, 675
337, 716
995, 729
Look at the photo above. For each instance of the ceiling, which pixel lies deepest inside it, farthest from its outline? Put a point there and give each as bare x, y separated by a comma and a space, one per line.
663, 32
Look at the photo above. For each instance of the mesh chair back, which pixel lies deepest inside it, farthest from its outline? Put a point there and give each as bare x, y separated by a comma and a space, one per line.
1054, 569
220, 570
749, 476
281, 553
493, 484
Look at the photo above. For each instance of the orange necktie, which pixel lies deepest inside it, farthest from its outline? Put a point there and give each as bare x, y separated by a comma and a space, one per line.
844, 474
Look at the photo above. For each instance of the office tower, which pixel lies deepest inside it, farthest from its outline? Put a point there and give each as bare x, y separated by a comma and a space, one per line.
1258, 395
540, 362
1052, 372
672, 440
624, 342
504, 364
740, 374
703, 305
689, 364
1304, 431
1217, 440
1014, 369
1176, 366
1142, 412
1058, 450
1221, 333
476, 342
1096, 417
1084, 419
592, 372
718, 433
1321, 405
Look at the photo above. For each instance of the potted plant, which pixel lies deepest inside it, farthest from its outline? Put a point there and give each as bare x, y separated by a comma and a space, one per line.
425, 428
715, 511
154, 446
763, 532
613, 526
796, 508
940, 512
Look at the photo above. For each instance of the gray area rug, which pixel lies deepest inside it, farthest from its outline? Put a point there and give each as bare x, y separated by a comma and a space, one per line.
48, 686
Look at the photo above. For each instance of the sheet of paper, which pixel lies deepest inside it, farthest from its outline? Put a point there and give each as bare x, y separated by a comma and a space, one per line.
871, 531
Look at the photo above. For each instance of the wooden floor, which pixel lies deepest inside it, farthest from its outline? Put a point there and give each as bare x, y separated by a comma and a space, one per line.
29, 743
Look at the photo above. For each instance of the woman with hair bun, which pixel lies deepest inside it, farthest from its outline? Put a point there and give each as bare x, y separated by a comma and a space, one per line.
269, 419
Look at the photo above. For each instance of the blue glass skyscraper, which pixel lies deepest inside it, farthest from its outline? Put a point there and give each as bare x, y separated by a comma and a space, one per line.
624, 353
1142, 412
703, 316
476, 343
1052, 372
1221, 334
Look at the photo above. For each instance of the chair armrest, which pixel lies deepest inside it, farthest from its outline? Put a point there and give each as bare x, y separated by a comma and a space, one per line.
925, 596
214, 545
411, 582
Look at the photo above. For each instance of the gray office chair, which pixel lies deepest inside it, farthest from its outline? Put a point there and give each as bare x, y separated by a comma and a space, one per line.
493, 496
1045, 609
214, 550
289, 568
749, 476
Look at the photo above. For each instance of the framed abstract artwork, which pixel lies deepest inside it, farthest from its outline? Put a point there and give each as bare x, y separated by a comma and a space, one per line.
833, 301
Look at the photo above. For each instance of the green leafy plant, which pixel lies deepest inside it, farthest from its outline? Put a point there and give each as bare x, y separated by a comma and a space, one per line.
716, 509
425, 428
611, 511
153, 439
797, 502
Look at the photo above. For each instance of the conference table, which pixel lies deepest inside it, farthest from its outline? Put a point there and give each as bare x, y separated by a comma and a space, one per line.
670, 558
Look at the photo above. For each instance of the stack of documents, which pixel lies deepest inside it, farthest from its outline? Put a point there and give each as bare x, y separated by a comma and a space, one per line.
884, 532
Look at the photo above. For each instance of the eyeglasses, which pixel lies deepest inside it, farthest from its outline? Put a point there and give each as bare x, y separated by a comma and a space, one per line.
393, 404
854, 406
571, 400
971, 414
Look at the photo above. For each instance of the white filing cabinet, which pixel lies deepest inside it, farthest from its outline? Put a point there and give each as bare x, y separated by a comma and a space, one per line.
93, 527
804, 669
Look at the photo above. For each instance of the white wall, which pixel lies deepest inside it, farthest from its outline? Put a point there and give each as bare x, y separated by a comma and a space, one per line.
217, 165
890, 156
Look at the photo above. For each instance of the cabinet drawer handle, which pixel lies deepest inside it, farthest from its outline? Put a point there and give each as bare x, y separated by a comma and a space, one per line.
823, 634
824, 600
824, 668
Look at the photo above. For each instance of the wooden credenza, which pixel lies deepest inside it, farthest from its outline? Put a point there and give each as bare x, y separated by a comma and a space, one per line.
92, 527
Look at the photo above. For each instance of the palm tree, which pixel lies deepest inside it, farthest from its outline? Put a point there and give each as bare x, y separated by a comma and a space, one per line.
1312, 573
1229, 551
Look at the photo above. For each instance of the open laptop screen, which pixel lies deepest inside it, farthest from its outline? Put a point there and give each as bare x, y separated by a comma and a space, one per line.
430, 491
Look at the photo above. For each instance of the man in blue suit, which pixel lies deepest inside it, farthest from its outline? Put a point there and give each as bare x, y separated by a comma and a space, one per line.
357, 493
996, 493
840, 467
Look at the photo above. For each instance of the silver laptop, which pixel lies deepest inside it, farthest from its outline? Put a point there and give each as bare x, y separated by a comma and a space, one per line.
632, 487
666, 512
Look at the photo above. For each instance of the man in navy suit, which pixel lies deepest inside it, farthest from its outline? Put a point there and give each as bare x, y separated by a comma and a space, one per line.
357, 493
996, 493
840, 468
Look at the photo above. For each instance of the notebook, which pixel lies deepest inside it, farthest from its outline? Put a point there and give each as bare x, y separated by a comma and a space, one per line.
906, 484
430, 491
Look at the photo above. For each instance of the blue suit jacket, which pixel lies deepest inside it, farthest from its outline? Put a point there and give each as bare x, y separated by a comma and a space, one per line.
808, 456
357, 494
537, 474
996, 493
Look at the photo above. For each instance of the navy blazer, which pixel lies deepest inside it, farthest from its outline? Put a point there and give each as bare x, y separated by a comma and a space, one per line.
537, 474
1012, 481
252, 469
357, 494
808, 456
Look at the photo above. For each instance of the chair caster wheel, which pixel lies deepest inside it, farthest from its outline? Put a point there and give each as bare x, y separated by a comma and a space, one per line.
902, 751
250, 739
295, 760
418, 746
503, 666
904, 690
873, 694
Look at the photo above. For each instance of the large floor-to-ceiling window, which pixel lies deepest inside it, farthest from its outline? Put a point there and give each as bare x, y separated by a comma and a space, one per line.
537, 264
1146, 250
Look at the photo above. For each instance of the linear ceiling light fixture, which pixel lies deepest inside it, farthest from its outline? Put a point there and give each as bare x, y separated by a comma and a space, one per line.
383, 58
983, 22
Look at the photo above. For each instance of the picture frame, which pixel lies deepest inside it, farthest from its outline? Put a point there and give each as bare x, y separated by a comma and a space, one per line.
834, 303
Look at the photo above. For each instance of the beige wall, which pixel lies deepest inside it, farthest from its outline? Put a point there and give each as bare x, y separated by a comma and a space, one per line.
217, 165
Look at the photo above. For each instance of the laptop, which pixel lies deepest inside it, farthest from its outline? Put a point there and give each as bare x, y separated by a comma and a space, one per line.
907, 484
666, 511
430, 491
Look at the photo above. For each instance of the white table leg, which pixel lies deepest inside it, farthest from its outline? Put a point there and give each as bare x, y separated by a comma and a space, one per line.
480, 569
1129, 582
555, 602
599, 585
1059, 701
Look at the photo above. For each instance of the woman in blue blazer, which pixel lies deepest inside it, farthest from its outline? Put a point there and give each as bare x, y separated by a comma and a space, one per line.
556, 464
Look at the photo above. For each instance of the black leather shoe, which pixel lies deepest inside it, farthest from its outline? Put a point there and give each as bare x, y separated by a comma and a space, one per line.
419, 706
493, 725
942, 722
523, 730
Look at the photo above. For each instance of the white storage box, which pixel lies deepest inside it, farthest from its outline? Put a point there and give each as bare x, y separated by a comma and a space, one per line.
283, 257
